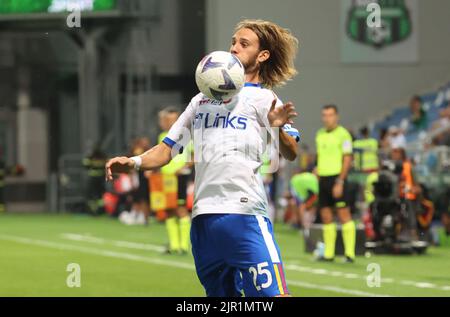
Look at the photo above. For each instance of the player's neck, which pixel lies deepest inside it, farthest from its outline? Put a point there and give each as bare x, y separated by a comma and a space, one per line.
252, 77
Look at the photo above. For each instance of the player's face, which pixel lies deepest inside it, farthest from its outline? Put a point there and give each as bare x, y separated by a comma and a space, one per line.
330, 118
245, 45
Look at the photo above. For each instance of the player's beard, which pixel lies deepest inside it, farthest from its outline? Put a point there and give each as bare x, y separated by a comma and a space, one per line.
251, 66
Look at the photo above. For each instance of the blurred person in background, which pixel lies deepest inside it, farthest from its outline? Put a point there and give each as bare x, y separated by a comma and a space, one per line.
140, 206
444, 118
16, 170
418, 119
441, 127
442, 237
365, 152
273, 179
334, 160
396, 137
178, 222
409, 189
304, 188
383, 139
95, 166
306, 160
134, 188
383, 144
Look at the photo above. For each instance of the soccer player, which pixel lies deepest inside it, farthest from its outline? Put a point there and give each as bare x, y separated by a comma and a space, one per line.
334, 159
231, 236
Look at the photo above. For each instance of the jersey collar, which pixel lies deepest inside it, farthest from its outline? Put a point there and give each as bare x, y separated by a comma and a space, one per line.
252, 85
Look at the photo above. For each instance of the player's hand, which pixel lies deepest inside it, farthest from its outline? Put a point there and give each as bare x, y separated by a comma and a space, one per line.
338, 190
120, 164
279, 116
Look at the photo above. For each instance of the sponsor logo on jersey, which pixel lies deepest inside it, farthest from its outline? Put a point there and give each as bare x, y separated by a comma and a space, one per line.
213, 102
228, 121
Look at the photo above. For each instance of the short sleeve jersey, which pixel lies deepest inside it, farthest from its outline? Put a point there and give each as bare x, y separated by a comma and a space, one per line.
229, 141
331, 147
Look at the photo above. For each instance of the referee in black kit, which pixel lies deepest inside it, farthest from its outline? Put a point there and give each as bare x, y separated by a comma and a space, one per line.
334, 159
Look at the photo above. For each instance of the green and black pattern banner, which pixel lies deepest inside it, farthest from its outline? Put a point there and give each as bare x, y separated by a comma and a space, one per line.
42, 6
393, 40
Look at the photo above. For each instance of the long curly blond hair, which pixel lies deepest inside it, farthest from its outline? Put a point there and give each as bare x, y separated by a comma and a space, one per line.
281, 44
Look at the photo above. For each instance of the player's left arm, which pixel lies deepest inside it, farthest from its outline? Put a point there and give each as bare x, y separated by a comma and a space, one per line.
288, 146
281, 117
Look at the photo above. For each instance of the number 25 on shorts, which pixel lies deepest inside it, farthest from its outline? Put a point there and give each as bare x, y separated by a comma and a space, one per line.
261, 270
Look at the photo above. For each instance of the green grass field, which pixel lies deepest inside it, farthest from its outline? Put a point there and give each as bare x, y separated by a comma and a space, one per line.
119, 260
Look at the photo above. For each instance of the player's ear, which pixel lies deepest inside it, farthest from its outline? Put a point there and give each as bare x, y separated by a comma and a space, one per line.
263, 56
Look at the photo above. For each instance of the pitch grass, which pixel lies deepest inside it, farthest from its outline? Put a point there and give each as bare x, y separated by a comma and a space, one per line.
119, 260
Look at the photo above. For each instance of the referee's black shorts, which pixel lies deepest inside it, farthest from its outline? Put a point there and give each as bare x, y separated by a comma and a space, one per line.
182, 189
326, 198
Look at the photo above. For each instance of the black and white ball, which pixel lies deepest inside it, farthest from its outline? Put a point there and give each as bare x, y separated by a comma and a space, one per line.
220, 75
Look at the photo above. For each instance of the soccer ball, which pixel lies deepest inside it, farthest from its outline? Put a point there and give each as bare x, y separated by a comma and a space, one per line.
220, 75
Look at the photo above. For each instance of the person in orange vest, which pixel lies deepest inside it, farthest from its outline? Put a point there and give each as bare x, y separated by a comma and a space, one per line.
408, 188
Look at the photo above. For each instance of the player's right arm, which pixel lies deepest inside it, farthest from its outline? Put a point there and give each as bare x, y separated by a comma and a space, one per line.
156, 157
161, 154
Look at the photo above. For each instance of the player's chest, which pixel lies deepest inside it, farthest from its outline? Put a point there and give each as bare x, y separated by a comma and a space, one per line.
224, 117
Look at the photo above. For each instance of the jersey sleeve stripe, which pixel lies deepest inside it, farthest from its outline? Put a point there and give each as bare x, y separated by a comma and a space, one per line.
171, 143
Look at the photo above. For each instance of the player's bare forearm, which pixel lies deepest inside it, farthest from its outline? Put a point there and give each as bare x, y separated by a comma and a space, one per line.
346, 165
154, 158
288, 146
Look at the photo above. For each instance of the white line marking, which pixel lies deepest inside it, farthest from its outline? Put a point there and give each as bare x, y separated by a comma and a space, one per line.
422, 285
335, 289
351, 275
117, 243
133, 257
108, 253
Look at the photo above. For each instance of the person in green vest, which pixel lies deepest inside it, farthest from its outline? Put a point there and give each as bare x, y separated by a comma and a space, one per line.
95, 167
365, 152
334, 160
443, 233
305, 189
178, 222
